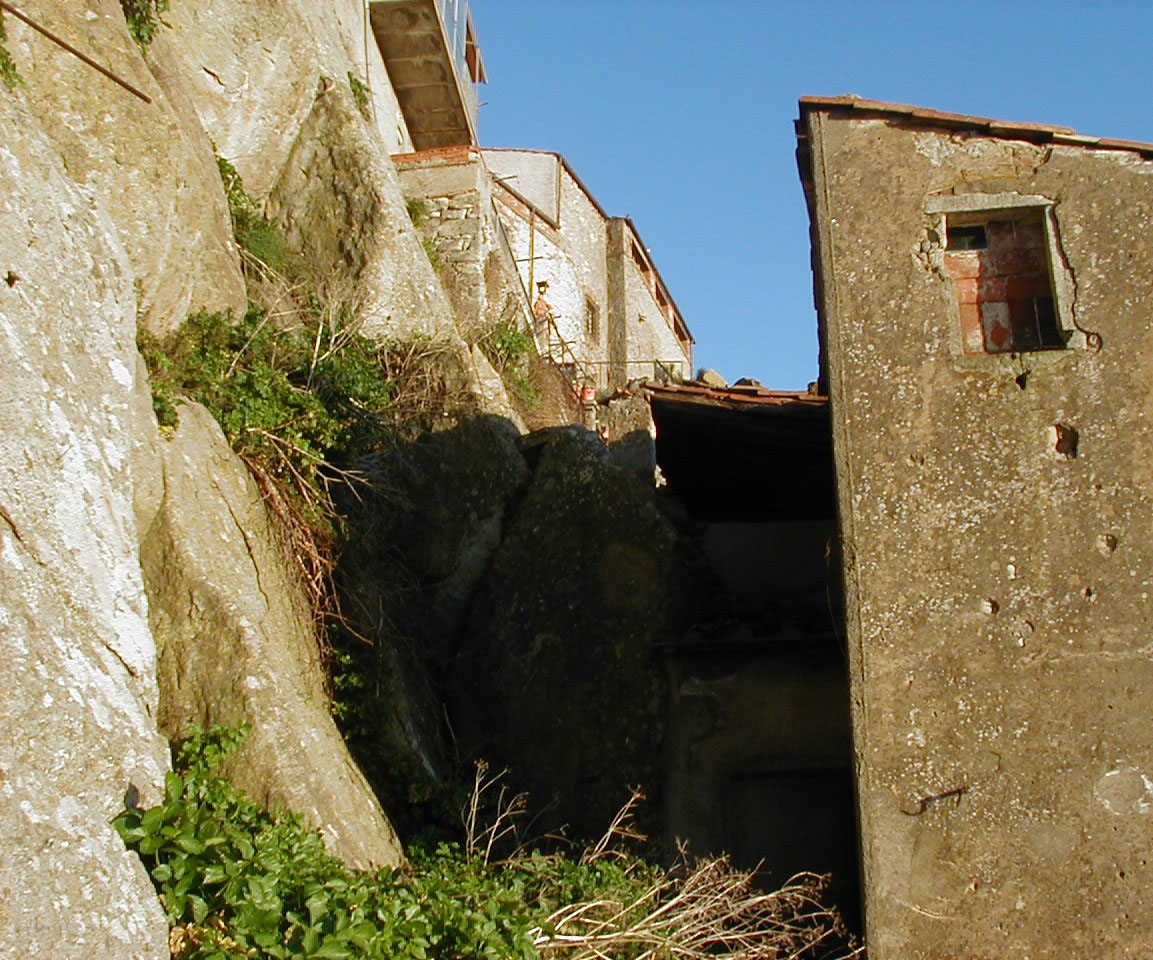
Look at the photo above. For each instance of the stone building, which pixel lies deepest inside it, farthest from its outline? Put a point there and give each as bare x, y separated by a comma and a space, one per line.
516, 237
515, 233
983, 292
609, 313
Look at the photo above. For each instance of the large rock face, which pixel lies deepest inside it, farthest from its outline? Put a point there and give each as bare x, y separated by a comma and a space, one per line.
282, 111
560, 639
146, 164
76, 718
408, 575
340, 202
252, 68
236, 644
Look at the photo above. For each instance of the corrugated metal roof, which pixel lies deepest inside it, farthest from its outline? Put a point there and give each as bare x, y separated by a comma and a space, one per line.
1014, 130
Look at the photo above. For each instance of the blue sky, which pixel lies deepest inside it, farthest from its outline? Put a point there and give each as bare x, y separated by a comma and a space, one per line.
680, 114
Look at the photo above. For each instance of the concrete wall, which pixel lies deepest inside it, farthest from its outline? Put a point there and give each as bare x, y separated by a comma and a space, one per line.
532, 174
998, 580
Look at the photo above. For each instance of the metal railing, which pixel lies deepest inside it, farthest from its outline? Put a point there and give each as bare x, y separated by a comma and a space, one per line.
664, 371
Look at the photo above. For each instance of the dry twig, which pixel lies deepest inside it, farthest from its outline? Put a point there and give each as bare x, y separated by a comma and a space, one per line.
713, 911
480, 839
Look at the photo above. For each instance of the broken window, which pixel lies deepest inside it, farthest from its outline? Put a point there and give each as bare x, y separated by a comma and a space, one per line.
999, 263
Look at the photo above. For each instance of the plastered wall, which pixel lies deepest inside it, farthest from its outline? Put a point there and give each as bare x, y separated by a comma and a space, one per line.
996, 514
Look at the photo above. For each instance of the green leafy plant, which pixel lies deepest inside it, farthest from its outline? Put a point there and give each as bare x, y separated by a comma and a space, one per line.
164, 397
238, 881
508, 349
507, 344
361, 94
287, 399
144, 18
9, 76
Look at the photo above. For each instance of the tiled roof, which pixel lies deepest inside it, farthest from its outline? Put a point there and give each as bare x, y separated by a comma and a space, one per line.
735, 396
1036, 132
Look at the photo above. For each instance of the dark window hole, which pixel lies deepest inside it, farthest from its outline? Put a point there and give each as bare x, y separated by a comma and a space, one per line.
966, 238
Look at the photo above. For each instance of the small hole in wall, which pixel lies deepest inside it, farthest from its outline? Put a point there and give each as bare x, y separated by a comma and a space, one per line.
1065, 440
1021, 379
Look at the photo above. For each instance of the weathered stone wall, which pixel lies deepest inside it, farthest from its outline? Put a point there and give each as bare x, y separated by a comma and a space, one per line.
453, 193
998, 584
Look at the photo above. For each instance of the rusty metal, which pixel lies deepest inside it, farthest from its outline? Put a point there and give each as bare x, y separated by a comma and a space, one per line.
734, 395
8, 8
925, 802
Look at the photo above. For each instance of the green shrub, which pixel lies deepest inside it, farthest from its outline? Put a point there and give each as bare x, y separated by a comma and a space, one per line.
505, 345
144, 18
160, 378
236, 880
286, 399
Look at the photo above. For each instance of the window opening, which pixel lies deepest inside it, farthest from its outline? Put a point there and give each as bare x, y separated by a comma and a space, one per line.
592, 318
999, 263
967, 238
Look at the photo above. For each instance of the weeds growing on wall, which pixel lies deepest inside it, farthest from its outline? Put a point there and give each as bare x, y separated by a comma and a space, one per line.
9, 76
417, 210
291, 401
431, 252
285, 398
508, 349
361, 94
144, 18
238, 881
258, 236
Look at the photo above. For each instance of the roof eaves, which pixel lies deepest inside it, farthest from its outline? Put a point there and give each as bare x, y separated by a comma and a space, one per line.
1037, 132
656, 272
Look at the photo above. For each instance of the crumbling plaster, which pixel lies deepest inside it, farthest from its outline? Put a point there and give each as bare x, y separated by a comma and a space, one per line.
998, 588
